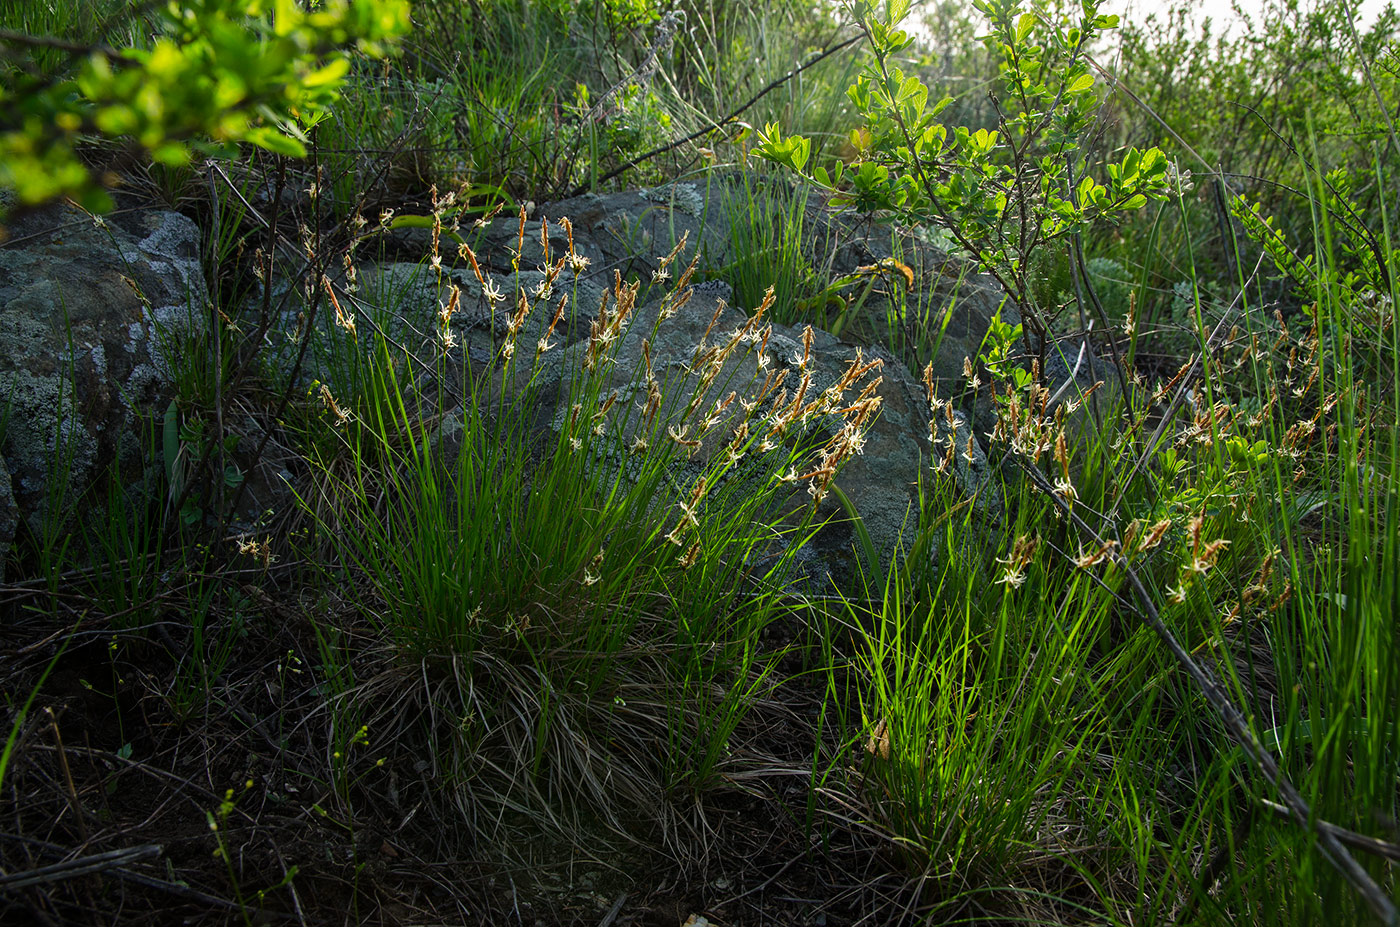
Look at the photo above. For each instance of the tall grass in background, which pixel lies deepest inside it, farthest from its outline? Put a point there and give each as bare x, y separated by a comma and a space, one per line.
79, 21
732, 52
766, 216
526, 101
1248, 103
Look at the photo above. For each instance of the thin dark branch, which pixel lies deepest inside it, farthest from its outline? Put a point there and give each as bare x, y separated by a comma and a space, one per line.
10, 37
1294, 803
1351, 838
82, 866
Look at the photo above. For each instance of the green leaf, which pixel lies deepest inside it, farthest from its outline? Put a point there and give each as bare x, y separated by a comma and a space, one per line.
410, 221
791, 152
171, 154
1154, 162
276, 142
1085, 192
1024, 25
1080, 84
170, 439
1132, 163
910, 89
329, 76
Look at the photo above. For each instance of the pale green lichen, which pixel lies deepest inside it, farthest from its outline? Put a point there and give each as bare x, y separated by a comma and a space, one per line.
683, 197
47, 447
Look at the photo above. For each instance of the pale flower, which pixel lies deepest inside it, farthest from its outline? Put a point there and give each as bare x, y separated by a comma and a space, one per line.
1013, 577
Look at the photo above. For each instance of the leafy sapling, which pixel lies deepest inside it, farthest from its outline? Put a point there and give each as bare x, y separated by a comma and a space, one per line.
1001, 194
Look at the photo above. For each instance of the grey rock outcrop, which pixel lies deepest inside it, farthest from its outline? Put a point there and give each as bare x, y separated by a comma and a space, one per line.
631, 233
92, 315
881, 481
91, 320
948, 300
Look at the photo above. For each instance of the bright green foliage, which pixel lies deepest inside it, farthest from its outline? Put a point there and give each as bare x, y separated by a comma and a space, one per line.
1346, 265
1245, 99
1360, 263
218, 72
626, 13
1001, 193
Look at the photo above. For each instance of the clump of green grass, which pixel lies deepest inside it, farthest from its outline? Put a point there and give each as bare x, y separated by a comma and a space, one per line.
766, 219
582, 600
1013, 719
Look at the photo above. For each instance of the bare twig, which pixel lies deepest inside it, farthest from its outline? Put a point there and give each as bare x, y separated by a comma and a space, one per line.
194, 894
1351, 838
613, 911
82, 866
67, 775
10, 37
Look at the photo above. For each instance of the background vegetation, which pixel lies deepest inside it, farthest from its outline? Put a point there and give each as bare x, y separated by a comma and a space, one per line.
1160, 687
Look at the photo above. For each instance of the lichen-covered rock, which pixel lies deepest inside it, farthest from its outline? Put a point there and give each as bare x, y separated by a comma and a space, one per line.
92, 316
881, 482
948, 303
630, 233
9, 517
403, 301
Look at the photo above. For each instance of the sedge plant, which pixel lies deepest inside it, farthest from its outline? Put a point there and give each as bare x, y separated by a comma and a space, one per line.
580, 595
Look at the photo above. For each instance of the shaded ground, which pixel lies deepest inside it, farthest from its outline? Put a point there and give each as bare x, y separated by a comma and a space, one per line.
121, 766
